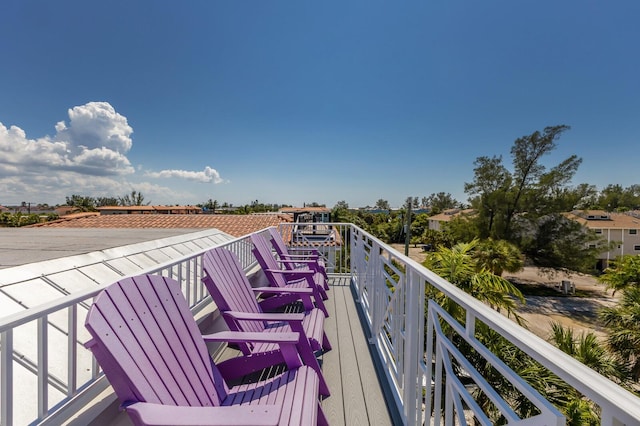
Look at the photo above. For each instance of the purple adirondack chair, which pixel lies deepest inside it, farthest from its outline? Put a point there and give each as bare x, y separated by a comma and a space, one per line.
234, 297
292, 260
146, 341
285, 278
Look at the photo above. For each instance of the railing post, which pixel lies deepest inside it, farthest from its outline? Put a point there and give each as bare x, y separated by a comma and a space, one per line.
43, 366
72, 350
375, 291
411, 350
6, 373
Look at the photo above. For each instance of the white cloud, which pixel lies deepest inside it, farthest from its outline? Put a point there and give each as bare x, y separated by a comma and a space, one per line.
87, 155
96, 125
208, 175
95, 142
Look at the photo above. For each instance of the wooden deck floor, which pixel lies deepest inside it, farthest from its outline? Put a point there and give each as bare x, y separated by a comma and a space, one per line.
356, 394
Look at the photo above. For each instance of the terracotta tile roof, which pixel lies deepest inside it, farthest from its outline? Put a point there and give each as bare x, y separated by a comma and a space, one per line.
235, 225
152, 209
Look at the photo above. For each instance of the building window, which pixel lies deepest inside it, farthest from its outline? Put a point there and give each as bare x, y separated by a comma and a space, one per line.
636, 248
598, 231
633, 231
594, 246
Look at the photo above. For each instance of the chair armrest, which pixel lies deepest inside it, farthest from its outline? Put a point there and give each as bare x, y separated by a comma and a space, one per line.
288, 272
310, 257
313, 251
246, 316
156, 414
283, 290
293, 261
256, 337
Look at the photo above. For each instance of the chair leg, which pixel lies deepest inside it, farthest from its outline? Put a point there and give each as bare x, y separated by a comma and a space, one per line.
322, 419
323, 292
320, 303
326, 346
308, 358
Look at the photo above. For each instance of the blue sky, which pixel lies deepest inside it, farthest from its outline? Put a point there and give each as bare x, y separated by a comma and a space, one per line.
298, 101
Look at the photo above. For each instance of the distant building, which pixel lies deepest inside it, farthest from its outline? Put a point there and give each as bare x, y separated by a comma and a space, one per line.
308, 214
619, 228
106, 210
436, 221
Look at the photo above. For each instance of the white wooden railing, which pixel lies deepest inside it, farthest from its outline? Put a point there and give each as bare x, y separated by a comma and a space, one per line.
55, 394
405, 329
418, 356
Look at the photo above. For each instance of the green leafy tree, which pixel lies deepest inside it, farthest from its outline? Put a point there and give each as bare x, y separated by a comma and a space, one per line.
440, 202
489, 193
134, 199
500, 196
616, 198
106, 201
211, 205
557, 242
342, 204
382, 205
437, 239
581, 197
463, 228
419, 224
82, 203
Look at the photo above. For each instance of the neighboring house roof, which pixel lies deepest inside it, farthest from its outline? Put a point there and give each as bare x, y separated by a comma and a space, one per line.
600, 219
447, 215
236, 225
304, 209
65, 210
152, 209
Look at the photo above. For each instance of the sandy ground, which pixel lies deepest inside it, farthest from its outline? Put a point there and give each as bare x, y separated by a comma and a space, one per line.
577, 311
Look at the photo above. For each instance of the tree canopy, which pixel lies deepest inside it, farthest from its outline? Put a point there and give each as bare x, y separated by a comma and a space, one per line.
499, 195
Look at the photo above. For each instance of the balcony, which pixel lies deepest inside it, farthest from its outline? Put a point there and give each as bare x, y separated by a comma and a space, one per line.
397, 358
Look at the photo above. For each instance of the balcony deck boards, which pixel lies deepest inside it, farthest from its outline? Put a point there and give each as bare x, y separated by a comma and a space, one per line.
356, 394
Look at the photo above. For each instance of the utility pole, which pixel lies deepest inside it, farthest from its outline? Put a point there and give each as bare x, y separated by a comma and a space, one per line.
407, 227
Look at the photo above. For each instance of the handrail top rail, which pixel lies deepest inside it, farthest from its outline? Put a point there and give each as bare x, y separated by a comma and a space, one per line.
568, 368
19, 318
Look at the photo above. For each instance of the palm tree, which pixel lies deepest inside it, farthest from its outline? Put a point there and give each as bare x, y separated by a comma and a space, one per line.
587, 349
623, 322
623, 273
460, 266
499, 256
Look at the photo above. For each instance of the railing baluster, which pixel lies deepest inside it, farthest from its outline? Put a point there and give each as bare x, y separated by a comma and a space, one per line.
43, 366
72, 351
411, 352
6, 374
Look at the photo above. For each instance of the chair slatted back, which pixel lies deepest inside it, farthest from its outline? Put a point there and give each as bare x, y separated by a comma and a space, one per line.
279, 245
229, 287
262, 251
149, 346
